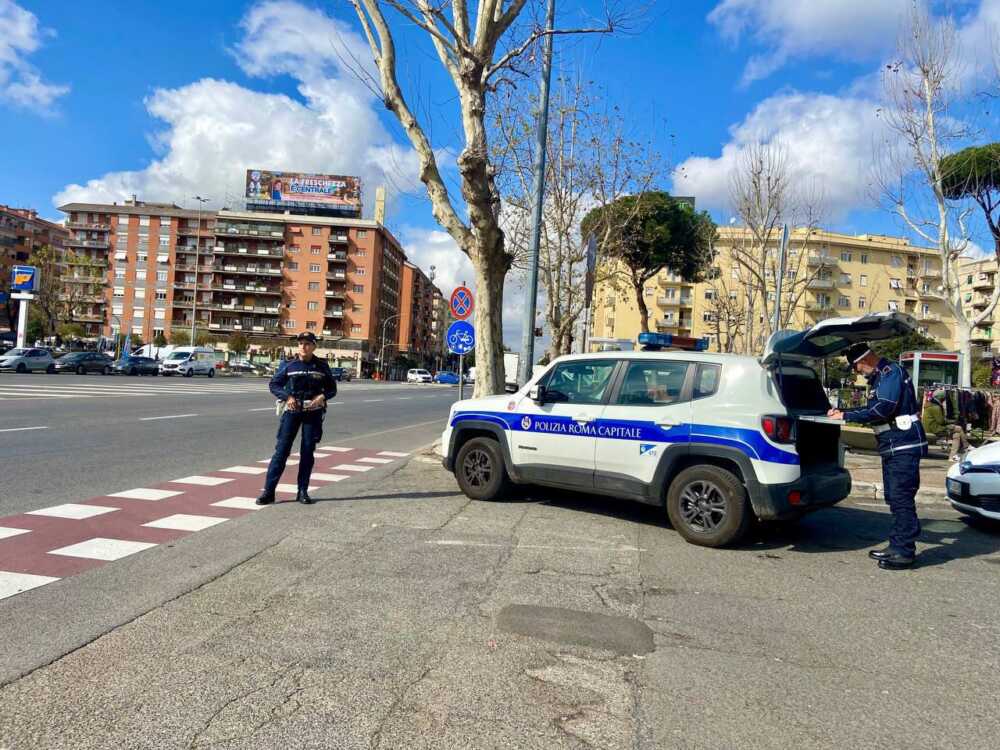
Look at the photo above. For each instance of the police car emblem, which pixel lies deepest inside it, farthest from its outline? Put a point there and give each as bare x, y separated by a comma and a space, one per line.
647, 449
526, 423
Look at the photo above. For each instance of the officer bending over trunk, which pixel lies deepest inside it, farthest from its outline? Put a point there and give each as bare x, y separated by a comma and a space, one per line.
893, 412
304, 384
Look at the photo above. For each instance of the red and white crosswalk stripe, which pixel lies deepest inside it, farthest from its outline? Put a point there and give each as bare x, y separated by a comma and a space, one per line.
45, 545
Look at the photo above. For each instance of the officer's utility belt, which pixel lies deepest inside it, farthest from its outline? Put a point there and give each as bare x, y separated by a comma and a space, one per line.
902, 422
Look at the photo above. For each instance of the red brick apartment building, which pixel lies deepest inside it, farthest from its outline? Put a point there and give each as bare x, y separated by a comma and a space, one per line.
268, 275
21, 233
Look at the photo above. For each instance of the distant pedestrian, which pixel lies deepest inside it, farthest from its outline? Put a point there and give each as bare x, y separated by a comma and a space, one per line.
304, 385
893, 412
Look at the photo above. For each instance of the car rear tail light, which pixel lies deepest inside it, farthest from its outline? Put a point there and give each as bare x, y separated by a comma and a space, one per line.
779, 429
794, 497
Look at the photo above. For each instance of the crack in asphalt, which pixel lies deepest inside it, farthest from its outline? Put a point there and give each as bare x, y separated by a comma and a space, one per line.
376, 736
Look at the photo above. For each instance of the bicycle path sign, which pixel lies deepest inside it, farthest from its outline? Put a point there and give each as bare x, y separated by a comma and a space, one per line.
461, 337
461, 302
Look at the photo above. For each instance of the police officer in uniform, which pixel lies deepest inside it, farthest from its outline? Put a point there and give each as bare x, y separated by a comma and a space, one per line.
893, 412
304, 384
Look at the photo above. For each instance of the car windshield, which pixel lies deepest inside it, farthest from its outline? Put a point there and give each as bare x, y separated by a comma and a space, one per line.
16, 353
74, 355
178, 355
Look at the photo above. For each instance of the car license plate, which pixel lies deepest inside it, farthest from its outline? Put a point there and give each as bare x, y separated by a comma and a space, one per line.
954, 487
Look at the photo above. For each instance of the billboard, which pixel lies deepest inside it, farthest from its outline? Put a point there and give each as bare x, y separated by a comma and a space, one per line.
298, 187
23, 279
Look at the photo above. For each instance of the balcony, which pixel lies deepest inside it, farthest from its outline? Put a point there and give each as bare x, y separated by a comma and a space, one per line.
822, 259
820, 284
87, 317
337, 257
88, 227
934, 273
262, 231
99, 244
981, 338
276, 252
928, 317
249, 270
337, 276
335, 294
817, 306
980, 303
340, 237
983, 284
666, 325
217, 286
930, 294
333, 313
191, 230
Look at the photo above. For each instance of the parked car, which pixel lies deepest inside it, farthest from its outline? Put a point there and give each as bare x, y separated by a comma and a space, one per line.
448, 378
189, 361
83, 362
27, 359
137, 366
973, 485
246, 368
340, 373
418, 375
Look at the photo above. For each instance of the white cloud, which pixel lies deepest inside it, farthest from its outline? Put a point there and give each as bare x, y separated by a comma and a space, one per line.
20, 82
216, 129
829, 140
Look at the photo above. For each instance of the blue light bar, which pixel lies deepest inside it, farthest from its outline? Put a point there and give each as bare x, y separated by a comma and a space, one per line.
652, 342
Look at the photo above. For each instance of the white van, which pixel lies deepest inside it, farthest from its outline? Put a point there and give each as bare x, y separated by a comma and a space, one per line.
189, 361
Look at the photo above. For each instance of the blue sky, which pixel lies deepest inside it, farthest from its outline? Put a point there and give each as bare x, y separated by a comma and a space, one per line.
102, 99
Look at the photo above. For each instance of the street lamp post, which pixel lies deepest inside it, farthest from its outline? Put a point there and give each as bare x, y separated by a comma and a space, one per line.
197, 261
381, 351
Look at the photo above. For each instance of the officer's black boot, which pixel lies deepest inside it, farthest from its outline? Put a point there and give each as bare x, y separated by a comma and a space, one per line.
303, 497
896, 561
265, 498
881, 554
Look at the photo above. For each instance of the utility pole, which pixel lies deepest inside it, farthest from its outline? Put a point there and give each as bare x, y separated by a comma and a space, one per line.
381, 351
782, 252
541, 140
197, 262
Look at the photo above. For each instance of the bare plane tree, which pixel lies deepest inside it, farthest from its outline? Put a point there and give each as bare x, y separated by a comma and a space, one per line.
476, 50
921, 90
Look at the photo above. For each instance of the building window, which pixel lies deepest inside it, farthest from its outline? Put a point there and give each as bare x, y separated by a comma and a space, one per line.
289, 324
707, 317
845, 279
924, 309
312, 305
123, 221
357, 308
864, 257
313, 286
161, 295
649, 291
138, 312
119, 291
362, 233
293, 249
843, 302
355, 328
160, 313
861, 303
863, 280
314, 267
846, 257
143, 221
734, 273
141, 256
161, 275
894, 284
710, 294
140, 275
317, 230
893, 305
292, 265
361, 253
315, 249
359, 288
359, 272
291, 304
310, 325
119, 273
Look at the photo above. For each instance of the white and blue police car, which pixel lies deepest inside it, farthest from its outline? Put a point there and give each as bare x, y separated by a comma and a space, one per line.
716, 439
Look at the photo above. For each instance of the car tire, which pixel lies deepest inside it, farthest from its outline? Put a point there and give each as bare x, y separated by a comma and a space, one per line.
106, 370
189, 374
211, 373
50, 370
81, 370
707, 505
480, 470
21, 368
132, 371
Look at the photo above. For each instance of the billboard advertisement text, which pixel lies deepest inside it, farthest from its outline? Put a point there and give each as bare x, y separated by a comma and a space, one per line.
297, 187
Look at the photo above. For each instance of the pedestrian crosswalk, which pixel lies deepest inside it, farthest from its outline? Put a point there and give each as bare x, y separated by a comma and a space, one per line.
35, 387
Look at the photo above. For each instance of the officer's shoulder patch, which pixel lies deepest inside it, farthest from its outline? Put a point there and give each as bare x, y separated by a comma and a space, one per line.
887, 369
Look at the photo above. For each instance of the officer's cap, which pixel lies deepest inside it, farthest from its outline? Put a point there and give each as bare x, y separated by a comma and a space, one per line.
306, 336
856, 352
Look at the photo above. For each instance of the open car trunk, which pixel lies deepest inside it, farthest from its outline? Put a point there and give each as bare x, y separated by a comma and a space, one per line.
817, 438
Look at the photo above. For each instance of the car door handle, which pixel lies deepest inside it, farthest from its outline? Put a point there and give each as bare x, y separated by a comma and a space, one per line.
667, 423
583, 418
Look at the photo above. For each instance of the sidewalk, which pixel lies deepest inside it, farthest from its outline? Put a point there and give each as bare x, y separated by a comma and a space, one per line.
866, 477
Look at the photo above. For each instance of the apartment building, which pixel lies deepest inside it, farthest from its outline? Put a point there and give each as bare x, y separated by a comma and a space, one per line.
22, 232
420, 336
827, 275
267, 275
977, 281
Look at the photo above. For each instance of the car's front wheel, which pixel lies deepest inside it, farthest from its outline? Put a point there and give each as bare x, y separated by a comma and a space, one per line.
707, 505
107, 370
81, 370
480, 469
21, 368
211, 373
51, 369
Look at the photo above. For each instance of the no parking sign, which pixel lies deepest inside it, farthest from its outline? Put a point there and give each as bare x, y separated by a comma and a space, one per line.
462, 302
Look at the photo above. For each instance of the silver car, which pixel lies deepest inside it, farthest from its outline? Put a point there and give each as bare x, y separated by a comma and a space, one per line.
27, 360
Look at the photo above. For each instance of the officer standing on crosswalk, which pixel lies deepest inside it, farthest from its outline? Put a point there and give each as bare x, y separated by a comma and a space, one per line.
304, 385
893, 412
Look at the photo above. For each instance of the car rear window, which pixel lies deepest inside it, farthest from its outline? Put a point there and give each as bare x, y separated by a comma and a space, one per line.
800, 389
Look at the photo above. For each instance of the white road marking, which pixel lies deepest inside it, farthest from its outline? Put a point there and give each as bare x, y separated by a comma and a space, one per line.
242, 503
394, 454
266, 408
23, 429
245, 470
403, 398
336, 449
75, 511
8, 531
185, 522
289, 462
352, 467
169, 416
145, 493
321, 455
372, 400
202, 481
291, 489
328, 477
100, 548
15, 583
374, 460
461, 543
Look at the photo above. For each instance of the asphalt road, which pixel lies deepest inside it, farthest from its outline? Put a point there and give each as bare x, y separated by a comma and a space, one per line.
64, 438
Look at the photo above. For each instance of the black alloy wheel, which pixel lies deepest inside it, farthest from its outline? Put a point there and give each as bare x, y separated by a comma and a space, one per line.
81, 370
22, 368
480, 470
708, 505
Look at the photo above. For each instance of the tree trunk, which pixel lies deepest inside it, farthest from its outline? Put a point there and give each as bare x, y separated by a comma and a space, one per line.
643, 310
963, 334
490, 273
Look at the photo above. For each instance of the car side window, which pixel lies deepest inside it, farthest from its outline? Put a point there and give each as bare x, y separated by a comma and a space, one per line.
653, 383
581, 382
706, 381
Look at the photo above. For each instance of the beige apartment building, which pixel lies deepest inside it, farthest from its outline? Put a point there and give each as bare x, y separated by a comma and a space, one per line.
827, 275
977, 280
266, 275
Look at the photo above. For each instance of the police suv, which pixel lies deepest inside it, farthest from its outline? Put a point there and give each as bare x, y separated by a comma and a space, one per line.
716, 439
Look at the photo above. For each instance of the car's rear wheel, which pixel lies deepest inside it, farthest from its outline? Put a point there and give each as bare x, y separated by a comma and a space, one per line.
81, 370
21, 368
51, 369
211, 373
133, 371
707, 505
480, 469
106, 370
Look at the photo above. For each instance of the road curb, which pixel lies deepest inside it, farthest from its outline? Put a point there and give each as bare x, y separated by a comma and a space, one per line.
869, 491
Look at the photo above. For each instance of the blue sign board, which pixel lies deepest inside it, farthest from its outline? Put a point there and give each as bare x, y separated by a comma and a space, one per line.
461, 337
3, 296
23, 278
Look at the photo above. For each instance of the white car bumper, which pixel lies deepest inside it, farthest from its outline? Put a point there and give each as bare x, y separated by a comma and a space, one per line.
974, 492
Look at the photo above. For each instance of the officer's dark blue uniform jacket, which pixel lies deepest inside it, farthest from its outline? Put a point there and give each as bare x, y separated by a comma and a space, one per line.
891, 395
303, 380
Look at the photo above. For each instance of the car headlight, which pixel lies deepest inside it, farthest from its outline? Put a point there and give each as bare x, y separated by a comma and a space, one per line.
964, 466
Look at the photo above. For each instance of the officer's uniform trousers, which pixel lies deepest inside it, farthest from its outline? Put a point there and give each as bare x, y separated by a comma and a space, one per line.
311, 424
901, 480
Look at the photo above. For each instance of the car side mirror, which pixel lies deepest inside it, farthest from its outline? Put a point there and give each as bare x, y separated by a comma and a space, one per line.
537, 394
